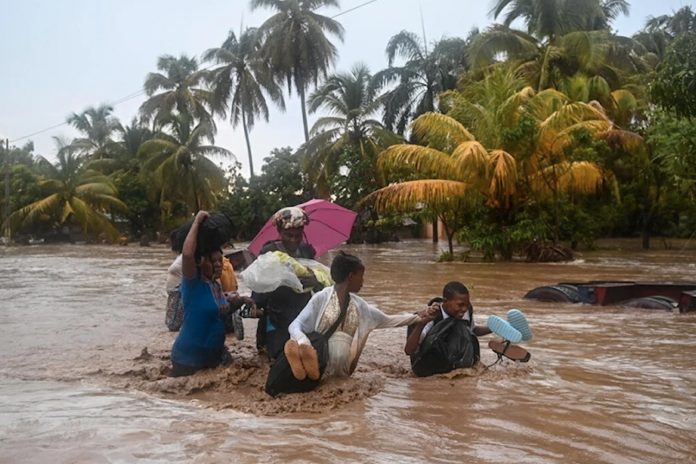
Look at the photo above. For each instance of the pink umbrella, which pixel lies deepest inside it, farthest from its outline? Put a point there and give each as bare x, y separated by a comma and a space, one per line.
329, 225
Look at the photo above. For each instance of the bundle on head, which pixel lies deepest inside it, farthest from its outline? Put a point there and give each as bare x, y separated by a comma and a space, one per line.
213, 233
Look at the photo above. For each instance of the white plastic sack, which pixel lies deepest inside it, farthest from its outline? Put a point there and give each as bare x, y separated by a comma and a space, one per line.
313, 265
268, 273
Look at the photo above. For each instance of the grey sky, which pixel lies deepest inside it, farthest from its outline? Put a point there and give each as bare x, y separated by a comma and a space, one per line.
59, 57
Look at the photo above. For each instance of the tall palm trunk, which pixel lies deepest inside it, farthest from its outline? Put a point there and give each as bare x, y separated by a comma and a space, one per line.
436, 229
248, 143
300, 84
543, 75
195, 192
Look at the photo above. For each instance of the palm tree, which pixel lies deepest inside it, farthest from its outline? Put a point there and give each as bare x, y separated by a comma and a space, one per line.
296, 45
681, 22
550, 19
74, 194
180, 89
351, 102
660, 31
420, 79
177, 168
563, 38
97, 125
546, 63
241, 82
453, 166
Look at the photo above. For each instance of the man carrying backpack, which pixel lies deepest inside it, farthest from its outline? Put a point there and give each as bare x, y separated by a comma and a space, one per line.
446, 338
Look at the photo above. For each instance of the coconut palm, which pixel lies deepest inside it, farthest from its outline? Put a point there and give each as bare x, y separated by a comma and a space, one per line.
74, 194
123, 150
180, 88
546, 63
176, 164
296, 45
681, 22
563, 38
660, 31
98, 126
549, 19
241, 82
420, 79
453, 165
350, 126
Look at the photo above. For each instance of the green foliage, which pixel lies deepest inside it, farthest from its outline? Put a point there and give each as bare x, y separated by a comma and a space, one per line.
143, 215
177, 167
97, 125
71, 193
673, 143
504, 236
24, 189
249, 204
179, 89
552, 18
674, 87
544, 115
282, 180
354, 180
418, 82
242, 81
296, 43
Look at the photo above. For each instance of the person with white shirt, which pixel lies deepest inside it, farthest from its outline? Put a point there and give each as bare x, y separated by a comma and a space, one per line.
445, 339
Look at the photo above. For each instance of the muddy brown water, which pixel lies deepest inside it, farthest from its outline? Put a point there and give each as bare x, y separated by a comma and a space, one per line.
605, 385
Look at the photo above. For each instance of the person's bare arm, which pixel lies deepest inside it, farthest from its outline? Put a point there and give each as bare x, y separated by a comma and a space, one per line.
480, 330
188, 253
413, 339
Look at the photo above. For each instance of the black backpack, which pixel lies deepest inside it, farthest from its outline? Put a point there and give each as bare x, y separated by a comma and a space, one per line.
449, 344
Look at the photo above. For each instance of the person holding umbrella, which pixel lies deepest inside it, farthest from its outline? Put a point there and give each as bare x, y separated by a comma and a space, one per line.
283, 304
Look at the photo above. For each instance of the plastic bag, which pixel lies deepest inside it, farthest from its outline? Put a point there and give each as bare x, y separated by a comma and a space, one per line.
268, 273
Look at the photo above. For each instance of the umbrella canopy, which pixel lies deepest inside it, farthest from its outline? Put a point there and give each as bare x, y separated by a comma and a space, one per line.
329, 226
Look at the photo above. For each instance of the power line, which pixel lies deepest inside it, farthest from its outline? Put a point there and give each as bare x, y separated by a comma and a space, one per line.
140, 92
352, 9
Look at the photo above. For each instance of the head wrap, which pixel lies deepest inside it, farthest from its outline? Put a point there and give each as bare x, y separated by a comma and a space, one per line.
290, 218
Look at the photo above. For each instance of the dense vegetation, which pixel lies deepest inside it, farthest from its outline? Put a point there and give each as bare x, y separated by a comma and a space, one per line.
561, 132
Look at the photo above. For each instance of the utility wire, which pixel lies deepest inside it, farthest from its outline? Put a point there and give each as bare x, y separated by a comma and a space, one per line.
352, 9
140, 92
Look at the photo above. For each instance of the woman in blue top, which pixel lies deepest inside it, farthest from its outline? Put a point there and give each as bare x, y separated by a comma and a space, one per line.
201, 341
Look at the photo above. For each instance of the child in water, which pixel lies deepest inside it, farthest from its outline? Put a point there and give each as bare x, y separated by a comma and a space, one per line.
446, 337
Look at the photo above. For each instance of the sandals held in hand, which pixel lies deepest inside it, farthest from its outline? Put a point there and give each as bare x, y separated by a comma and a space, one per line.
510, 351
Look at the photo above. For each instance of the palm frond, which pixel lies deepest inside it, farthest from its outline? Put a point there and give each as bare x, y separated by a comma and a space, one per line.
414, 195
440, 131
423, 160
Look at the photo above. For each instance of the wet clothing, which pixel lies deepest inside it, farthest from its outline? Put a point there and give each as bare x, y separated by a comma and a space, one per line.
174, 314
228, 279
281, 306
201, 341
446, 343
468, 317
347, 343
174, 273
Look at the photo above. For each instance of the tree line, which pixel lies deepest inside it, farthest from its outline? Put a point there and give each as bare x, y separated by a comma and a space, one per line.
559, 132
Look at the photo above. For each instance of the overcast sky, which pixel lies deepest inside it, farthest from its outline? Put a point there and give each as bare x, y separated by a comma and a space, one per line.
59, 57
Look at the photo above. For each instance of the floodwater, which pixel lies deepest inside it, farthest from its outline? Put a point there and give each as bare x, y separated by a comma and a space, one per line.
604, 385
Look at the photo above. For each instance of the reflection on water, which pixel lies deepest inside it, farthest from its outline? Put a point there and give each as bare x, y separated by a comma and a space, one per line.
604, 384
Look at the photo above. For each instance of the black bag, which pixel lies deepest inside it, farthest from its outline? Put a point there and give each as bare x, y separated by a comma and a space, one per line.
213, 233
280, 378
449, 345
